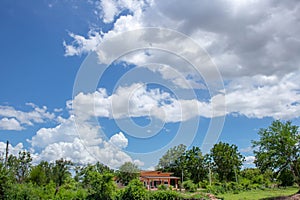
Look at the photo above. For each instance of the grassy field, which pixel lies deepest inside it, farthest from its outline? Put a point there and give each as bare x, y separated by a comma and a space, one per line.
259, 194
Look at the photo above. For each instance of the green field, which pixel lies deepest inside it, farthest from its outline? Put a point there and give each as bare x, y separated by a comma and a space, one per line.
259, 194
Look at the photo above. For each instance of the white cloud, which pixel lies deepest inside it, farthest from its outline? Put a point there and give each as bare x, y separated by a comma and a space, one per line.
109, 10
81, 44
80, 142
119, 140
137, 101
10, 124
14, 150
262, 96
249, 160
35, 115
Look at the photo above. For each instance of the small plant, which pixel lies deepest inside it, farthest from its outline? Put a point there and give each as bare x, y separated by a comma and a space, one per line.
190, 186
162, 187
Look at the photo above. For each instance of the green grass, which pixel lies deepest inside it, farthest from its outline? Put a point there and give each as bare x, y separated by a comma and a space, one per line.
259, 194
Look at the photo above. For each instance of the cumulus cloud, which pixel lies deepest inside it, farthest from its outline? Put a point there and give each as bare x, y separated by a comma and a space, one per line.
255, 45
244, 38
119, 140
14, 150
18, 118
80, 142
137, 101
10, 124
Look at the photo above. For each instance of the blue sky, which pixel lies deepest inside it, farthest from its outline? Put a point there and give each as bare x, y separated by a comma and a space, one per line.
80, 80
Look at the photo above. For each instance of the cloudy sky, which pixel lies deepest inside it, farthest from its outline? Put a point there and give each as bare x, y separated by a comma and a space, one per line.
116, 81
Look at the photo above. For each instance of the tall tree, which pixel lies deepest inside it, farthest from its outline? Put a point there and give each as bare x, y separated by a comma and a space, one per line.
60, 172
172, 156
127, 172
41, 173
278, 148
195, 164
4, 180
20, 166
227, 161
101, 186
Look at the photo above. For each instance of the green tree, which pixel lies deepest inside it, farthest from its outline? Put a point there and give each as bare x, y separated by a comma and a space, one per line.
101, 186
41, 173
286, 178
278, 148
127, 172
4, 181
20, 166
82, 172
60, 172
227, 161
134, 191
195, 164
168, 160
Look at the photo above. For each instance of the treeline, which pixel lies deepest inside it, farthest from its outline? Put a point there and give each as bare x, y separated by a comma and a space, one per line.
276, 158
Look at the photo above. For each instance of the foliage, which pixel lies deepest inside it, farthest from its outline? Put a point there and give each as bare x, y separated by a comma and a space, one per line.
60, 172
195, 164
4, 181
162, 187
286, 178
189, 186
40, 174
134, 191
102, 186
170, 157
278, 148
227, 161
127, 172
20, 166
164, 195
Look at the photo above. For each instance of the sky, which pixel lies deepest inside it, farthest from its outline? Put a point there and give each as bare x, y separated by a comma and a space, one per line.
120, 81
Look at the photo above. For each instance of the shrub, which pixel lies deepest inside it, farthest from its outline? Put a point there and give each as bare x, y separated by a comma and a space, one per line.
135, 190
190, 186
162, 187
164, 195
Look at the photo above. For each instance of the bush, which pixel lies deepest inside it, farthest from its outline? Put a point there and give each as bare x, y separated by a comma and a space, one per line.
135, 190
203, 184
164, 195
216, 189
162, 187
190, 186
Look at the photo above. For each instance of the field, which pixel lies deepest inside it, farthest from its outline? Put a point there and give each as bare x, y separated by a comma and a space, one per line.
259, 194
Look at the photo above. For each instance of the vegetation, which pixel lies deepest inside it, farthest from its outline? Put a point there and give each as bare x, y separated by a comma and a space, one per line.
218, 173
259, 194
278, 149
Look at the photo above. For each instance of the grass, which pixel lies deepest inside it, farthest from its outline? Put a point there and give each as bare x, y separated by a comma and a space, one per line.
259, 194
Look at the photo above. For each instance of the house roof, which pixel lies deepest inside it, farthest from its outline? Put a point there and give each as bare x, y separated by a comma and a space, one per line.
160, 177
157, 174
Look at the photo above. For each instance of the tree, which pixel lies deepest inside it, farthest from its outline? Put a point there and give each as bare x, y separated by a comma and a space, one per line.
60, 172
227, 161
20, 166
195, 164
134, 191
278, 148
41, 173
127, 172
101, 186
83, 174
4, 181
168, 160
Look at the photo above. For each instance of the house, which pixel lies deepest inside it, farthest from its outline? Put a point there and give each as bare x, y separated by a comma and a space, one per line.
152, 179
